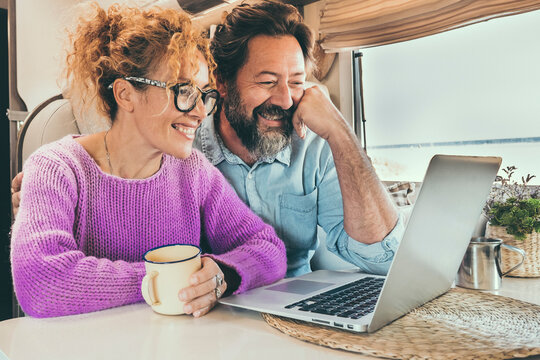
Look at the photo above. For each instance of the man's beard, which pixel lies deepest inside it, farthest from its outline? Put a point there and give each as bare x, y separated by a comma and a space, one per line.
260, 142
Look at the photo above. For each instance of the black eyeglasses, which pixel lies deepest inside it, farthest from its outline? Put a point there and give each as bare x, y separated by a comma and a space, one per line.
186, 95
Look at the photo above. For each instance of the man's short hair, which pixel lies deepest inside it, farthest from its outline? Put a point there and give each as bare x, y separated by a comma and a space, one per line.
230, 42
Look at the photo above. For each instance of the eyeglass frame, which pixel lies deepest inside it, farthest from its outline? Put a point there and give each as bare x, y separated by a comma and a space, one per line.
175, 88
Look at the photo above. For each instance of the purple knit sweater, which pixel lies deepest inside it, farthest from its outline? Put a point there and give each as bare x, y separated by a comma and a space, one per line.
80, 234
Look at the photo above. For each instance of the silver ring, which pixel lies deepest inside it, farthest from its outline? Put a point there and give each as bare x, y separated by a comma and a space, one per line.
219, 280
218, 293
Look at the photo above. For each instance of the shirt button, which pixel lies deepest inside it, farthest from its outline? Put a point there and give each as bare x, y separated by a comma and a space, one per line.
250, 176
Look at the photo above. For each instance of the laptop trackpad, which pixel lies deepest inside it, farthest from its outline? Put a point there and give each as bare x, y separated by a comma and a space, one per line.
300, 287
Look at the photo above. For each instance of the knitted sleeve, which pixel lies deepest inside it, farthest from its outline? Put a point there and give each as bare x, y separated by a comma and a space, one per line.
51, 275
240, 239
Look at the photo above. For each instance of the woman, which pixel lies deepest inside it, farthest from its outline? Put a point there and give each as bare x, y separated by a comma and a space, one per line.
92, 205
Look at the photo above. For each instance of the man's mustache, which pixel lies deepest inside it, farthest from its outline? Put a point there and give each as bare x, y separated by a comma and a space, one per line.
274, 111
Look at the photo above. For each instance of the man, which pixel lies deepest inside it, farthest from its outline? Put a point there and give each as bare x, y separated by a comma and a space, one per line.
320, 177
287, 151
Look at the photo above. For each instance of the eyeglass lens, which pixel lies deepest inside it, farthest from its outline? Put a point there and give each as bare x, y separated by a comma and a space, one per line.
189, 95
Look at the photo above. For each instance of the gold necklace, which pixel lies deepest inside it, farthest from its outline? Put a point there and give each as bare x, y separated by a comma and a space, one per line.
109, 155
107, 151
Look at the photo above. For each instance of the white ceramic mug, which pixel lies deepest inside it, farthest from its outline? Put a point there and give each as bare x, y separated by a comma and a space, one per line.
168, 269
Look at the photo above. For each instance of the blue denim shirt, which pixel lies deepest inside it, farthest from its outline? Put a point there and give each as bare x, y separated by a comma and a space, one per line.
295, 191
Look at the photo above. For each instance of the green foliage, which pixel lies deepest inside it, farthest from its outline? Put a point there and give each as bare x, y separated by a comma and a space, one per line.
514, 205
519, 217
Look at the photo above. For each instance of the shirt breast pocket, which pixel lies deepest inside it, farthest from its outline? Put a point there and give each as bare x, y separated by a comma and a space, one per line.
298, 223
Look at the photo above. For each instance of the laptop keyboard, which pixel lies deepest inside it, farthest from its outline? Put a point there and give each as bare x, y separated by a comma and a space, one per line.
352, 300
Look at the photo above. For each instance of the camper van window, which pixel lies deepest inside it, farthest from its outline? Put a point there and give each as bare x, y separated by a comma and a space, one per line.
471, 91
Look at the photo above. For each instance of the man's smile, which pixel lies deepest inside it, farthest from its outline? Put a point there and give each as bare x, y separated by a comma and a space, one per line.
271, 121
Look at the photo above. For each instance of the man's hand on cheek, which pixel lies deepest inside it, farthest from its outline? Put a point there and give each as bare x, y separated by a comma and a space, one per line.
316, 111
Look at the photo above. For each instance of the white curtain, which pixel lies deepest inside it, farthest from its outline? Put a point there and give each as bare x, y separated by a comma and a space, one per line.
353, 24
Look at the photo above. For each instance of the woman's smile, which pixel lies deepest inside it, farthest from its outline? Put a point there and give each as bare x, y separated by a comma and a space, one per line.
185, 130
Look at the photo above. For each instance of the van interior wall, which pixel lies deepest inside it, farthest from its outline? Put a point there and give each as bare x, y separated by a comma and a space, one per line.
49, 19
339, 78
40, 58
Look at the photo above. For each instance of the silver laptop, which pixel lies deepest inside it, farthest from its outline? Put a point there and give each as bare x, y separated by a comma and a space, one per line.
447, 208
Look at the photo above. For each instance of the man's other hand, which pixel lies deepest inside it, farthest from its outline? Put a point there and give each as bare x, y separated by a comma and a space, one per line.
16, 193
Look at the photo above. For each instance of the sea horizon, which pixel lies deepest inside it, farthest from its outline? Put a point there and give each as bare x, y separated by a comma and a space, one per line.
408, 162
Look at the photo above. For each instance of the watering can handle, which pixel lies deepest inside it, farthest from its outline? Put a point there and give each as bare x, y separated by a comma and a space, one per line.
518, 250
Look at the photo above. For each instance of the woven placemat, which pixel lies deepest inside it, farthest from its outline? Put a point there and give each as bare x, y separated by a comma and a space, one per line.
461, 324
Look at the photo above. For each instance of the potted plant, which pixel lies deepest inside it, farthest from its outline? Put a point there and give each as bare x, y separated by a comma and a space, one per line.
513, 212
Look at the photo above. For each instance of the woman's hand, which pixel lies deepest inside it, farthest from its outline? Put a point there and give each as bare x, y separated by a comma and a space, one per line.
207, 285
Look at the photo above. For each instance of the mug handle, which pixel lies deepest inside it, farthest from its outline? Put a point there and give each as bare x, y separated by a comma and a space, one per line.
518, 250
147, 289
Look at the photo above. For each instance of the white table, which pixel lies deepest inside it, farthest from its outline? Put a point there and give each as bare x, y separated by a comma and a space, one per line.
136, 332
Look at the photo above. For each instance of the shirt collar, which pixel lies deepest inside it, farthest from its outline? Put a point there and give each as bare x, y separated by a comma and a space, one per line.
209, 143
215, 150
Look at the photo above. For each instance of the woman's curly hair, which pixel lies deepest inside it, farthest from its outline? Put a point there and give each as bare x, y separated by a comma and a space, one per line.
128, 41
